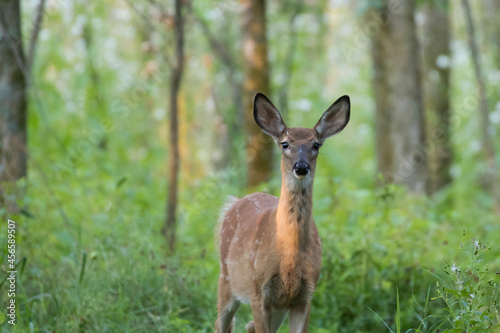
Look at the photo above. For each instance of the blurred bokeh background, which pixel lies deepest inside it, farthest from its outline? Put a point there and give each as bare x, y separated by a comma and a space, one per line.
125, 125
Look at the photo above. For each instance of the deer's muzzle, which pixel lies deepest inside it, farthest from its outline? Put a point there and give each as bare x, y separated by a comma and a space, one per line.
301, 168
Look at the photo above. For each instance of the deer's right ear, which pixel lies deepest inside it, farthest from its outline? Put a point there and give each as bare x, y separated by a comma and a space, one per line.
267, 116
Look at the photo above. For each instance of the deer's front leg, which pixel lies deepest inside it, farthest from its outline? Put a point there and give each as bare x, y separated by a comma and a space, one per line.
299, 317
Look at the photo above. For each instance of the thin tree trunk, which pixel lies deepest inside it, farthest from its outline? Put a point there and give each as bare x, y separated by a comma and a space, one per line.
256, 65
175, 83
436, 41
13, 148
407, 118
483, 109
288, 62
94, 99
381, 96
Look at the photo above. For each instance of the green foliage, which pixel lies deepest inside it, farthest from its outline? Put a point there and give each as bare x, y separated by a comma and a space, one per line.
89, 229
472, 294
377, 248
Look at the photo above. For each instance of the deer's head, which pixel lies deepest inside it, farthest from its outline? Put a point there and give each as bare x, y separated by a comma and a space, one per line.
300, 146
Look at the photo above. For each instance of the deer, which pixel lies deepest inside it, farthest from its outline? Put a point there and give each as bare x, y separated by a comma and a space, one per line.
270, 250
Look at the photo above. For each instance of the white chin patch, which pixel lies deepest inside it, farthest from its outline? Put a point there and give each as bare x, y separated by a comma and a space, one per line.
295, 181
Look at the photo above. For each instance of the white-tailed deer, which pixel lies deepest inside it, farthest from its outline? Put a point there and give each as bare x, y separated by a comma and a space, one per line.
270, 251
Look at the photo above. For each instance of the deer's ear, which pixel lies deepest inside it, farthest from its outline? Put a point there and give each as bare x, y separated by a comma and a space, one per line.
334, 119
267, 116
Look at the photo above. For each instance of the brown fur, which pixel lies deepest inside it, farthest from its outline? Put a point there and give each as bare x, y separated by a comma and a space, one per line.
270, 249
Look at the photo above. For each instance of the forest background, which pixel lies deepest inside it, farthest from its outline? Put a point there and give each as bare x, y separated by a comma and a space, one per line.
125, 124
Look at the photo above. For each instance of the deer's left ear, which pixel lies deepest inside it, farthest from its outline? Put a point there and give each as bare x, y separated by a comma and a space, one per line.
335, 118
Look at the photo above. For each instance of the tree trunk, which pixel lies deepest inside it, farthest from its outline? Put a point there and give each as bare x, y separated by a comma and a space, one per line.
436, 41
381, 95
483, 109
175, 84
13, 149
256, 68
405, 100
399, 118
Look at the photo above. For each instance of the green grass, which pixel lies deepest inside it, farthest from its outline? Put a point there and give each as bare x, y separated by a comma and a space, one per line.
108, 269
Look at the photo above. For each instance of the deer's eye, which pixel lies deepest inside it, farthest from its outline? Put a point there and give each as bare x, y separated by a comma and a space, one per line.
285, 145
316, 146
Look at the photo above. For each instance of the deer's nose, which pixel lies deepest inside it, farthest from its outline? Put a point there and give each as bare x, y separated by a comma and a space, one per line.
301, 168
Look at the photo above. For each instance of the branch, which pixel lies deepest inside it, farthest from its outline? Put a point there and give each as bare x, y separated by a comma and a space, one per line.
219, 48
147, 21
222, 51
160, 6
34, 35
292, 46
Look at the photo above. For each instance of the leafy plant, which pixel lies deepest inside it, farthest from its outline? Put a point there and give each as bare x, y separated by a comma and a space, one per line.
471, 294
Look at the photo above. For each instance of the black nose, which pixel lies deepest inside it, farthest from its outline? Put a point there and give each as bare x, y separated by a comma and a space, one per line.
301, 168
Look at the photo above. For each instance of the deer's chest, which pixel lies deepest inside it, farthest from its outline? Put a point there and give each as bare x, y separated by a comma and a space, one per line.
288, 287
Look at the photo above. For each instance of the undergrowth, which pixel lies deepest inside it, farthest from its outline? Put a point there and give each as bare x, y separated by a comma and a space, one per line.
382, 249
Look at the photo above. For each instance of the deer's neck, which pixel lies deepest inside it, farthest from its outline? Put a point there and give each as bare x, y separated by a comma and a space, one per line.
294, 215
